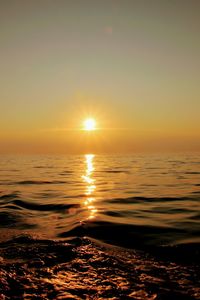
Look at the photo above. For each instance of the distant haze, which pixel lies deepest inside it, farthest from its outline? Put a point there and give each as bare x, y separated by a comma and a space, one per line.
134, 66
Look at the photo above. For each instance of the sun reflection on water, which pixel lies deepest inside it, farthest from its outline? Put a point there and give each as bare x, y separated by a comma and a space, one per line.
90, 185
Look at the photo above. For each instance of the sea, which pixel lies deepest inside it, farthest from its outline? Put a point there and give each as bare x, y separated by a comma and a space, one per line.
139, 212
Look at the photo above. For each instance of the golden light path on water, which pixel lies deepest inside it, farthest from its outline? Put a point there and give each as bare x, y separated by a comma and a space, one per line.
90, 185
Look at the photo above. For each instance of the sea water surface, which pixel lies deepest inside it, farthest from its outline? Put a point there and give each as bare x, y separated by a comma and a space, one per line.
100, 227
132, 200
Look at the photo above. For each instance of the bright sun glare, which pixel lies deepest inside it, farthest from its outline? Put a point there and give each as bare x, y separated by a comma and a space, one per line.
89, 124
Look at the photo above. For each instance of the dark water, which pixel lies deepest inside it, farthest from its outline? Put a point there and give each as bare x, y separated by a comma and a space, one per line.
148, 203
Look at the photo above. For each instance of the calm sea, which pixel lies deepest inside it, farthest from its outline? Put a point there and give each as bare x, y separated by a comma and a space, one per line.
132, 201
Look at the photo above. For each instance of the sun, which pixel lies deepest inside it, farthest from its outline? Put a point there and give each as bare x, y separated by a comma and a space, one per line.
89, 124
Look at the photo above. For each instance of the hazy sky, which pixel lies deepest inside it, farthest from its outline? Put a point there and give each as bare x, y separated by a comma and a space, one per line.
133, 65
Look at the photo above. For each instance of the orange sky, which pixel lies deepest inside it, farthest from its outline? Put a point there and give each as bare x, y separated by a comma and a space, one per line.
132, 65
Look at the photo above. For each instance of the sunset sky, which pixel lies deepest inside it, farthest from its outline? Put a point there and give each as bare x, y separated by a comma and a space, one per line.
133, 66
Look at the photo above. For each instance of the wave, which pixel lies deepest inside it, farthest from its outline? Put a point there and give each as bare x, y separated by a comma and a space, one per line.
38, 182
7, 198
145, 238
126, 235
147, 199
40, 207
116, 171
33, 182
192, 173
14, 220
